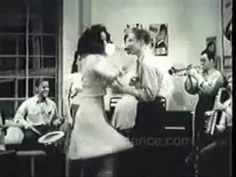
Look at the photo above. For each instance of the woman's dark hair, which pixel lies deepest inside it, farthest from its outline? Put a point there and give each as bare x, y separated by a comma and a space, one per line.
142, 35
91, 42
125, 37
74, 68
210, 54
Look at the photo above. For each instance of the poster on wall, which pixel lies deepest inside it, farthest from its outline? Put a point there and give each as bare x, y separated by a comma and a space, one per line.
227, 26
227, 38
159, 37
211, 43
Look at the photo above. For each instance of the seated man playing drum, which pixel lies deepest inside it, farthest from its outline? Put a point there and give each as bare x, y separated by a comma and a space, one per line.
38, 115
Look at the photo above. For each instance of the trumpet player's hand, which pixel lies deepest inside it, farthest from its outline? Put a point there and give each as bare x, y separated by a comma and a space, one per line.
193, 73
219, 106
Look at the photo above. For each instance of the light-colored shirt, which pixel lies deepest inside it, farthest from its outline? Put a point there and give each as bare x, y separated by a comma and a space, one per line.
209, 83
75, 86
148, 86
226, 118
150, 78
37, 113
73, 83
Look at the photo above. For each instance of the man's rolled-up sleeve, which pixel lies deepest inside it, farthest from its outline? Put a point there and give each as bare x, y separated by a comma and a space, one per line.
21, 113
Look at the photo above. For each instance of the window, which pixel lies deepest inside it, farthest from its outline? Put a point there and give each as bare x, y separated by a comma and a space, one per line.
28, 50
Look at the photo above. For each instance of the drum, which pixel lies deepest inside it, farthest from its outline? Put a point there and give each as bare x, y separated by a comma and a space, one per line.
52, 141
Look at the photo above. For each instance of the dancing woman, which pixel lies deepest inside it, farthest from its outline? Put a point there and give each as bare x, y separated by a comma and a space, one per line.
93, 140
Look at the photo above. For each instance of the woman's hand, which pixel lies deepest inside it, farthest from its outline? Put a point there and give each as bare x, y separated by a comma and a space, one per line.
58, 122
122, 71
117, 87
134, 81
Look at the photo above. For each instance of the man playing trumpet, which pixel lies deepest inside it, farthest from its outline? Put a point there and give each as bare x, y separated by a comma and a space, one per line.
206, 84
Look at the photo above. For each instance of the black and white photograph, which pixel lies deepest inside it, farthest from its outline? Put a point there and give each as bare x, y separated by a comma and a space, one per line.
116, 88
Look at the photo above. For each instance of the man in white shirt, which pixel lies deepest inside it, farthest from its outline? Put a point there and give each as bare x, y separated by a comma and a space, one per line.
38, 113
143, 92
144, 87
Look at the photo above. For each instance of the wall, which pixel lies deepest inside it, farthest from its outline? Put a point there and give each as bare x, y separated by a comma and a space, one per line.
189, 23
70, 30
70, 35
204, 20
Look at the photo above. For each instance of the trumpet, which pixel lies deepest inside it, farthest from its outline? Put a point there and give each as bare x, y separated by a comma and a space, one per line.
173, 70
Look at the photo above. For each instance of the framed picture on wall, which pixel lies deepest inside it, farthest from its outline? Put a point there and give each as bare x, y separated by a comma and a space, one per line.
227, 65
227, 36
159, 36
212, 40
211, 43
227, 27
227, 62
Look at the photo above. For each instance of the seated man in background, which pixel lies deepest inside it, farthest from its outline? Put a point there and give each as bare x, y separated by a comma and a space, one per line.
38, 115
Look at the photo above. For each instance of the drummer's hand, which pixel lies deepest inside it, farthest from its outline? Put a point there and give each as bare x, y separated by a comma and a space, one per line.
57, 122
27, 125
70, 120
51, 143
